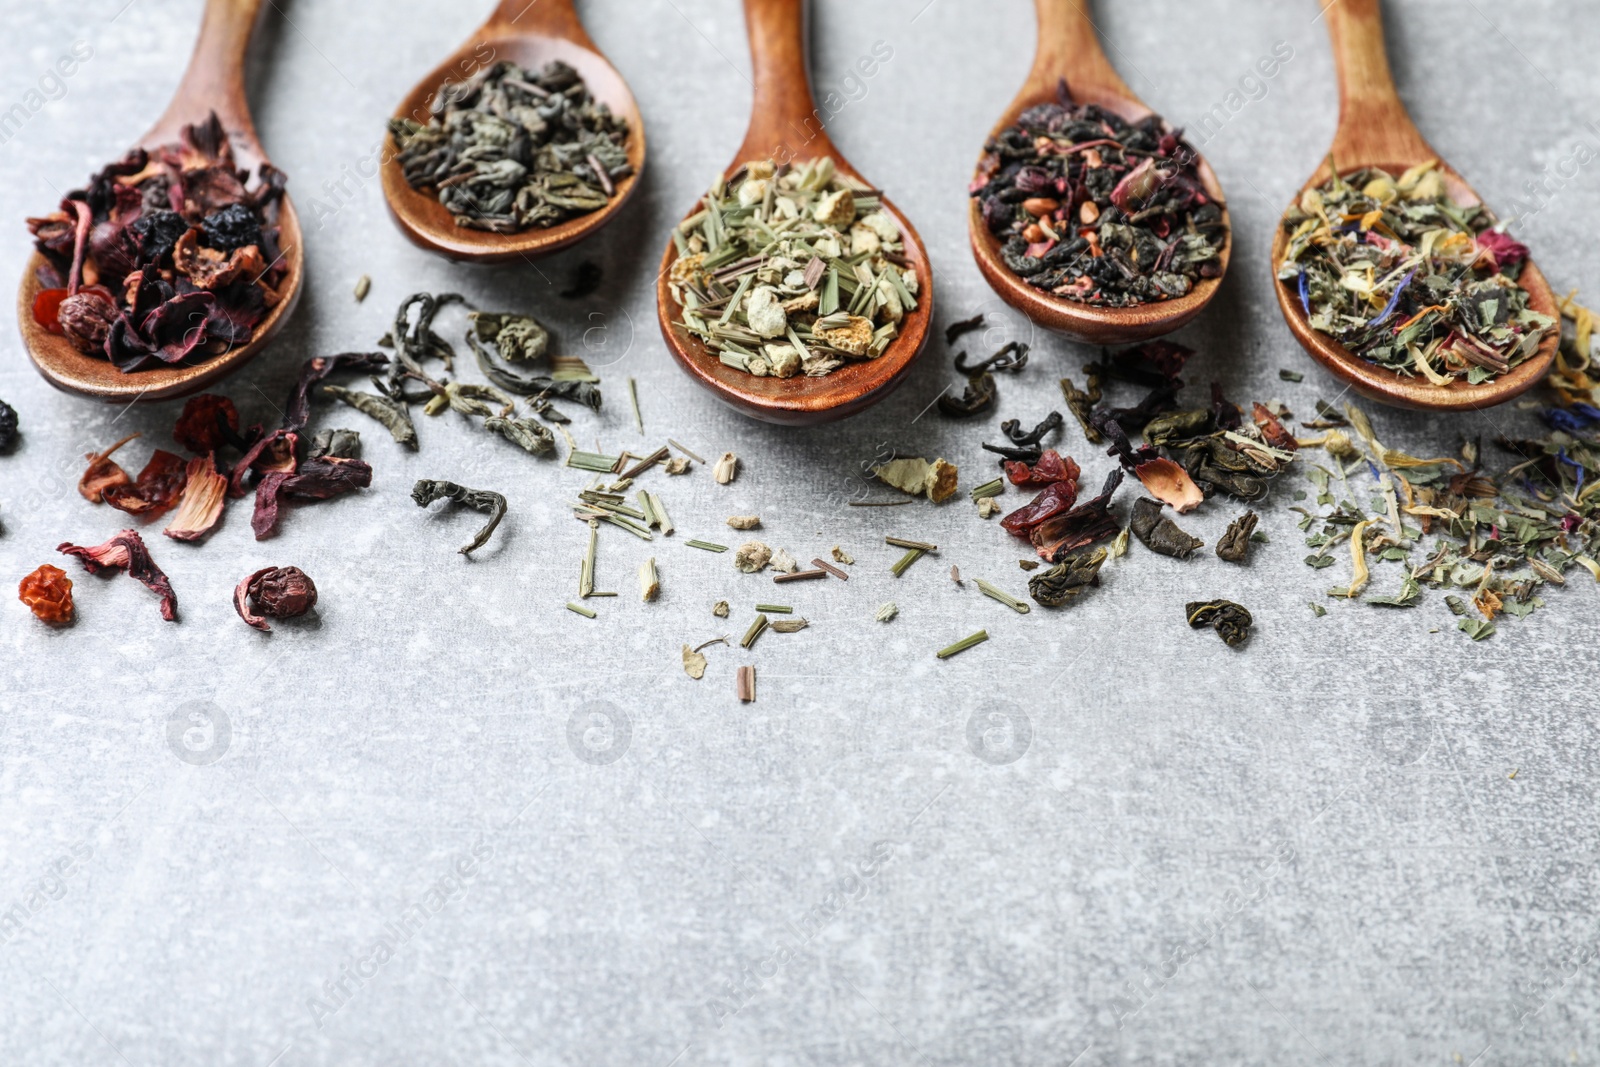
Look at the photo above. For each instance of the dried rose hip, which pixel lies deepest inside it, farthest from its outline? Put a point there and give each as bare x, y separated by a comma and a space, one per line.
48, 594
279, 592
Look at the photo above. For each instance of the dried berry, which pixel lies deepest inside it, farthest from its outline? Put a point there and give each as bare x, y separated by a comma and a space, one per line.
234, 226
278, 592
8, 426
48, 594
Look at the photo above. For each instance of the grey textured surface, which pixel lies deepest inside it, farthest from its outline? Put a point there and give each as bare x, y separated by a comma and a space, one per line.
1310, 851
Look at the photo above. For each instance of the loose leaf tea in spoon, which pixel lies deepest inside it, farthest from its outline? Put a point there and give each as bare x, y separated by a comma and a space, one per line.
509, 150
166, 256
1406, 278
1093, 208
792, 270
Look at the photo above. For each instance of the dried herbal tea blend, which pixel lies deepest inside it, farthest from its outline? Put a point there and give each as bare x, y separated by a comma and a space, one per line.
1404, 277
792, 269
508, 149
1090, 207
166, 256
48, 594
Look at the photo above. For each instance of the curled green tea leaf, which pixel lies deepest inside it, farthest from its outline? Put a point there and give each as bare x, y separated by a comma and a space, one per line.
490, 503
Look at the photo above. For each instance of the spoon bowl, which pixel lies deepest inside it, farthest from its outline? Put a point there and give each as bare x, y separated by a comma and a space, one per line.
529, 34
1069, 49
784, 126
1375, 130
213, 82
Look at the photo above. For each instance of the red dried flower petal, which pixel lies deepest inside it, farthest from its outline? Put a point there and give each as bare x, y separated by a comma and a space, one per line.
126, 551
103, 473
199, 427
1056, 498
155, 490
204, 495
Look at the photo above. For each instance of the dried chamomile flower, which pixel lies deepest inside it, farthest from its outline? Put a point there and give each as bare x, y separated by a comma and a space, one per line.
752, 557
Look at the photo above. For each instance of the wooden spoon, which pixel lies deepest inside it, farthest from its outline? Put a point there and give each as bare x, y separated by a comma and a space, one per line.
1375, 131
213, 82
529, 33
1069, 48
784, 126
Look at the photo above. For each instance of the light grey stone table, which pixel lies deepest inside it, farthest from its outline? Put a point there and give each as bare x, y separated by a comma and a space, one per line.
513, 835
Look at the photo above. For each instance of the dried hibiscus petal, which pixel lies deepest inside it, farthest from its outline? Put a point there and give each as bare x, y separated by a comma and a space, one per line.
279, 592
155, 490
1171, 483
204, 494
1050, 468
126, 551
316, 479
1091, 521
103, 473
1056, 498
48, 594
200, 427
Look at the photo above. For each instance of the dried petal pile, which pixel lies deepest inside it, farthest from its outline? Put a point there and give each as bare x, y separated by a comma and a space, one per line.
508, 150
792, 269
166, 256
1404, 277
1090, 207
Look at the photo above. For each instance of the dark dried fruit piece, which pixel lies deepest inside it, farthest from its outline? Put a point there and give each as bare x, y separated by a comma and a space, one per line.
48, 594
1235, 543
278, 592
1158, 533
1064, 582
126, 551
1049, 467
1231, 621
8, 426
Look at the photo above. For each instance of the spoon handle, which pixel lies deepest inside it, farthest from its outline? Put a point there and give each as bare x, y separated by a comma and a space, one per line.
1069, 47
214, 80
1374, 126
543, 18
784, 121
